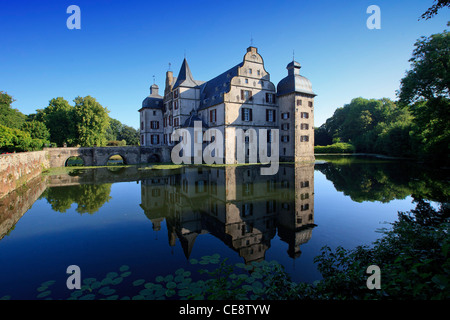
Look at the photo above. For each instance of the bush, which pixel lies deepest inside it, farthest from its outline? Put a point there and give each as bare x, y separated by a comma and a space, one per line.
116, 143
12, 140
339, 147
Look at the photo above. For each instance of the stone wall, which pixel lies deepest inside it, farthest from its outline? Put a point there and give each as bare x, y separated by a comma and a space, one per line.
18, 168
14, 204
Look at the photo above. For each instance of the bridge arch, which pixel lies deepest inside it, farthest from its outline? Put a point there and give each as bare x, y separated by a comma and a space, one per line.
154, 158
71, 160
112, 159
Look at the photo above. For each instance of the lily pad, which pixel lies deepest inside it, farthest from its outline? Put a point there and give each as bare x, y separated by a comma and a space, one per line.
116, 281
124, 268
184, 293
171, 285
106, 291
112, 275
193, 261
170, 292
89, 280
125, 274
44, 294
48, 283
138, 282
90, 296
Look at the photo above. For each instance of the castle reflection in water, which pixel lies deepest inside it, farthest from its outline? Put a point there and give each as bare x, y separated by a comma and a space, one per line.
235, 204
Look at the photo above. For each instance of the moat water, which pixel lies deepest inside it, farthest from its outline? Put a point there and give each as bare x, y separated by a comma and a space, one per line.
151, 222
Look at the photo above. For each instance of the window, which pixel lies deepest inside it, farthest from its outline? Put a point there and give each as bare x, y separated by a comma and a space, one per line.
142, 126
170, 120
304, 196
285, 126
304, 184
213, 115
285, 115
175, 94
270, 206
247, 114
165, 138
175, 104
246, 80
247, 209
142, 140
299, 102
154, 112
270, 185
154, 124
304, 207
270, 115
176, 122
199, 186
304, 138
247, 189
246, 95
250, 71
304, 126
284, 138
304, 115
310, 104
259, 73
155, 139
270, 97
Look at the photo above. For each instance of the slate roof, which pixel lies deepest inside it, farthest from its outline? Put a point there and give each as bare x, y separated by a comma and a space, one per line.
154, 100
189, 123
185, 77
212, 91
294, 82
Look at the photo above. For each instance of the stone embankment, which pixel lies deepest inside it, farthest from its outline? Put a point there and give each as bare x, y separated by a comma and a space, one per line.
16, 169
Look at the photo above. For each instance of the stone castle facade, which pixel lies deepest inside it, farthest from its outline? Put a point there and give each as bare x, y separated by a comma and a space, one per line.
241, 97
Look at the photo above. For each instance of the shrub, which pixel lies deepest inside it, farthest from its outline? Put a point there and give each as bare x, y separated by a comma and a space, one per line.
339, 147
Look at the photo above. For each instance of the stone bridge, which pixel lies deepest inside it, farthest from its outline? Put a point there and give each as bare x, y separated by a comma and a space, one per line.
99, 156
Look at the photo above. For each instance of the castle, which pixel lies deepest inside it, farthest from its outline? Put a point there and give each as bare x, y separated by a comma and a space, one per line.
242, 97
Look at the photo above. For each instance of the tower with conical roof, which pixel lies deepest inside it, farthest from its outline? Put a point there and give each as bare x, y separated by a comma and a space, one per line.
296, 103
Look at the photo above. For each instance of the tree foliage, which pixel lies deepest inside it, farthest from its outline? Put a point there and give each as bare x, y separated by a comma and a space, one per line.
433, 10
10, 117
425, 90
91, 121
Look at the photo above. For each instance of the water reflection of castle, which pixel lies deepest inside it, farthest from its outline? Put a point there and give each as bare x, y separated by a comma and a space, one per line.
236, 204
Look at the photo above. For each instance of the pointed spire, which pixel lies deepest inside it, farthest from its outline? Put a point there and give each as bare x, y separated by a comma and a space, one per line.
185, 76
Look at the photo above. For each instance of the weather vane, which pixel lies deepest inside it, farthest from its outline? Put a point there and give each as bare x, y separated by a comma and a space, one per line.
154, 81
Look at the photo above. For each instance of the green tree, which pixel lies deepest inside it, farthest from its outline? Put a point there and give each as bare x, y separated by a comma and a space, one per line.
130, 135
114, 130
58, 117
37, 130
425, 92
432, 11
12, 140
91, 121
10, 117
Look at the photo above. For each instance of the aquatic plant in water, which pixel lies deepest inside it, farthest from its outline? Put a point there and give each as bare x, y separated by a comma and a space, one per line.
217, 279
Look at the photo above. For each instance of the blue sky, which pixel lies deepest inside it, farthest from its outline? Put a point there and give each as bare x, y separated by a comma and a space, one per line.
122, 44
